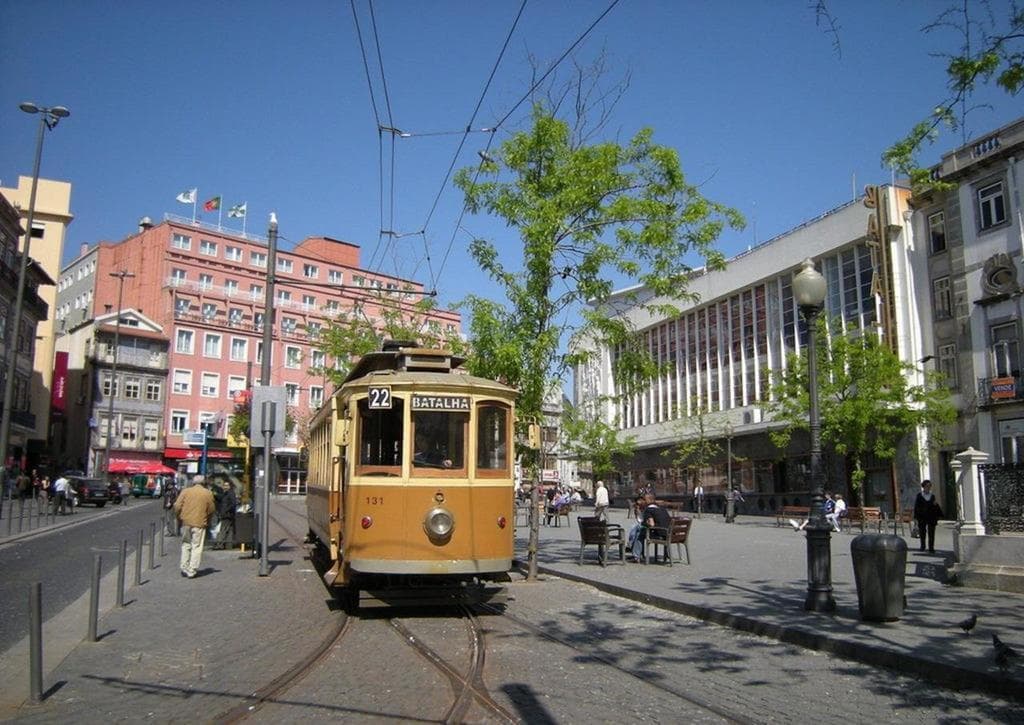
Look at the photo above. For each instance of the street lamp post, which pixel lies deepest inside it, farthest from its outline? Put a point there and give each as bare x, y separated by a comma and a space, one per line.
809, 290
121, 276
730, 494
48, 119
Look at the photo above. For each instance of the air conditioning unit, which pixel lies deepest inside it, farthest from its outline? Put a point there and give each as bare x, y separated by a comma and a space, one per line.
752, 416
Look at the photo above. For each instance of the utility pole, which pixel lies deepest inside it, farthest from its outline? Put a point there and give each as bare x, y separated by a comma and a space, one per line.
263, 483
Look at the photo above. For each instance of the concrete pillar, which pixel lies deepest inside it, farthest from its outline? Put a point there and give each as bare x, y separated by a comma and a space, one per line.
969, 491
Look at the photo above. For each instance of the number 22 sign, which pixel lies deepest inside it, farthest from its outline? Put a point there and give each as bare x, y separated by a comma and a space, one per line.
379, 397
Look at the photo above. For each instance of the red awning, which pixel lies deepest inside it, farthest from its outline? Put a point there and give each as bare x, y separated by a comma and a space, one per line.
194, 454
132, 465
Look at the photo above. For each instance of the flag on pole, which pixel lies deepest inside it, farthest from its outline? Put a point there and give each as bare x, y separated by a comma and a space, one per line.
187, 197
238, 210
212, 204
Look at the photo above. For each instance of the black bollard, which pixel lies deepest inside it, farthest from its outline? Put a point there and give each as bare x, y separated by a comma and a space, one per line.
122, 563
94, 596
21, 513
152, 546
35, 646
163, 552
138, 559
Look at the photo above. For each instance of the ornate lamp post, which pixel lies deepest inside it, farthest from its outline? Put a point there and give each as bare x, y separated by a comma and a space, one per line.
48, 119
809, 291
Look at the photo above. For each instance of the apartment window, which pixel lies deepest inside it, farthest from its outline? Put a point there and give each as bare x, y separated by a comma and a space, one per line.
334, 276
231, 287
179, 421
316, 396
284, 295
182, 382
239, 349
153, 391
359, 280
209, 310
180, 241
235, 316
942, 298
178, 277
309, 302
205, 282
284, 265
184, 342
310, 271
991, 205
257, 320
211, 345
291, 390
289, 324
236, 384
129, 433
292, 356
109, 387
1005, 350
946, 365
208, 248
132, 388
233, 254
332, 306
181, 306
258, 259
210, 385
150, 434
937, 232
259, 352
313, 329
256, 291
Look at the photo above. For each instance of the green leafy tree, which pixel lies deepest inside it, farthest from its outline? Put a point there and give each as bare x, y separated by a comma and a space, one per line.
698, 443
353, 334
867, 405
587, 217
588, 438
991, 51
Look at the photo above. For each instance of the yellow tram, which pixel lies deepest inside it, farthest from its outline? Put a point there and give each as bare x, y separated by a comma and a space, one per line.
410, 486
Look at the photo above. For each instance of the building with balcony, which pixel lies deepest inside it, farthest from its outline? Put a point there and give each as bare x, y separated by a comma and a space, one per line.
49, 228
972, 241
204, 288
26, 411
721, 351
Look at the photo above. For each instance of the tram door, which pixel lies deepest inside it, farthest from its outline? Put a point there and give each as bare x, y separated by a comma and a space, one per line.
291, 474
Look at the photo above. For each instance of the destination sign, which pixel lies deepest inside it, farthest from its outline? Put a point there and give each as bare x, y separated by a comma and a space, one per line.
440, 402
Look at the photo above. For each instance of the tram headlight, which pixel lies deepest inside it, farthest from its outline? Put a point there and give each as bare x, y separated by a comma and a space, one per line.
439, 523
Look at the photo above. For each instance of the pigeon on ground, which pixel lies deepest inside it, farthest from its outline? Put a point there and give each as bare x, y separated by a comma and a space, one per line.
1004, 652
968, 624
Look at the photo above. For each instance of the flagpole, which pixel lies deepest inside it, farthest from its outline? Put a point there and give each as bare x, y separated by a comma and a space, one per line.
220, 211
244, 217
195, 200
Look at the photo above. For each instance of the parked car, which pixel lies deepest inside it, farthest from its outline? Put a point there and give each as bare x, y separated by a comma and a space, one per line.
114, 492
90, 490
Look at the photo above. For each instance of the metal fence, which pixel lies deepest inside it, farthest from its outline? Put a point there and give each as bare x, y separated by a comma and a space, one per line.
1003, 502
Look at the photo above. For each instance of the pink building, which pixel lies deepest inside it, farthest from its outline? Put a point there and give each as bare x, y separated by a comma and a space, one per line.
205, 288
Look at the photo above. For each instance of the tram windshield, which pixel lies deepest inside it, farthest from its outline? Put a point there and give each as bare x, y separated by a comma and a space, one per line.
440, 440
380, 439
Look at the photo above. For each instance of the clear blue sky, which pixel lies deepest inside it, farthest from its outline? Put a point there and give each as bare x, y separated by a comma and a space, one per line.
268, 103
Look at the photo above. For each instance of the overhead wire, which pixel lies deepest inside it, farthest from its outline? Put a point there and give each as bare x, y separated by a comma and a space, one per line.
500, 123
391, 124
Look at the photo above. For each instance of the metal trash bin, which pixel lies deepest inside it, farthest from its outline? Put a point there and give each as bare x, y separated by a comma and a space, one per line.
879, 569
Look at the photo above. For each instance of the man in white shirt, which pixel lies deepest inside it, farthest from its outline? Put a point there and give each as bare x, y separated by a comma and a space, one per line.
60, 489
601, 501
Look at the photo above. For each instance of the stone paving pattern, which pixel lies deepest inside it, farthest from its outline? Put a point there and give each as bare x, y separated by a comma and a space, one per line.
196, 646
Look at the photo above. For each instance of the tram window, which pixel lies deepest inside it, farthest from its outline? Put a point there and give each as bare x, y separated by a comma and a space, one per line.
380, 438
440, 440
492, 454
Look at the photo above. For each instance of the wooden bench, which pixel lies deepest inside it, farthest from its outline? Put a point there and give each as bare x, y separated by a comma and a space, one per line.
861, 516
663, 538
599, 533
792, 512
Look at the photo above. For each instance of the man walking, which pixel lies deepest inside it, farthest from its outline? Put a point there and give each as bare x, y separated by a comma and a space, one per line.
194, 507
60, 494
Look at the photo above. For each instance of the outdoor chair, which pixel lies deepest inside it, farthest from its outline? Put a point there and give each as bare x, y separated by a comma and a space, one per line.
660, 539
595, 532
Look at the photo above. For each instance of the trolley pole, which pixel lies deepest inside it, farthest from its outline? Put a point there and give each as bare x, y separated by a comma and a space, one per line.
262, 495
268, 414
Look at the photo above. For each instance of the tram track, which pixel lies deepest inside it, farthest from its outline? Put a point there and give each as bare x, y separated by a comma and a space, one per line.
468, 687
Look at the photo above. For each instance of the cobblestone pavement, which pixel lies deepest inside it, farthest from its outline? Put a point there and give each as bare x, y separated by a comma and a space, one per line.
567, 651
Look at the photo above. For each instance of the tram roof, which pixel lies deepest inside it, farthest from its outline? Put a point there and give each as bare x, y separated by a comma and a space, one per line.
396, 357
